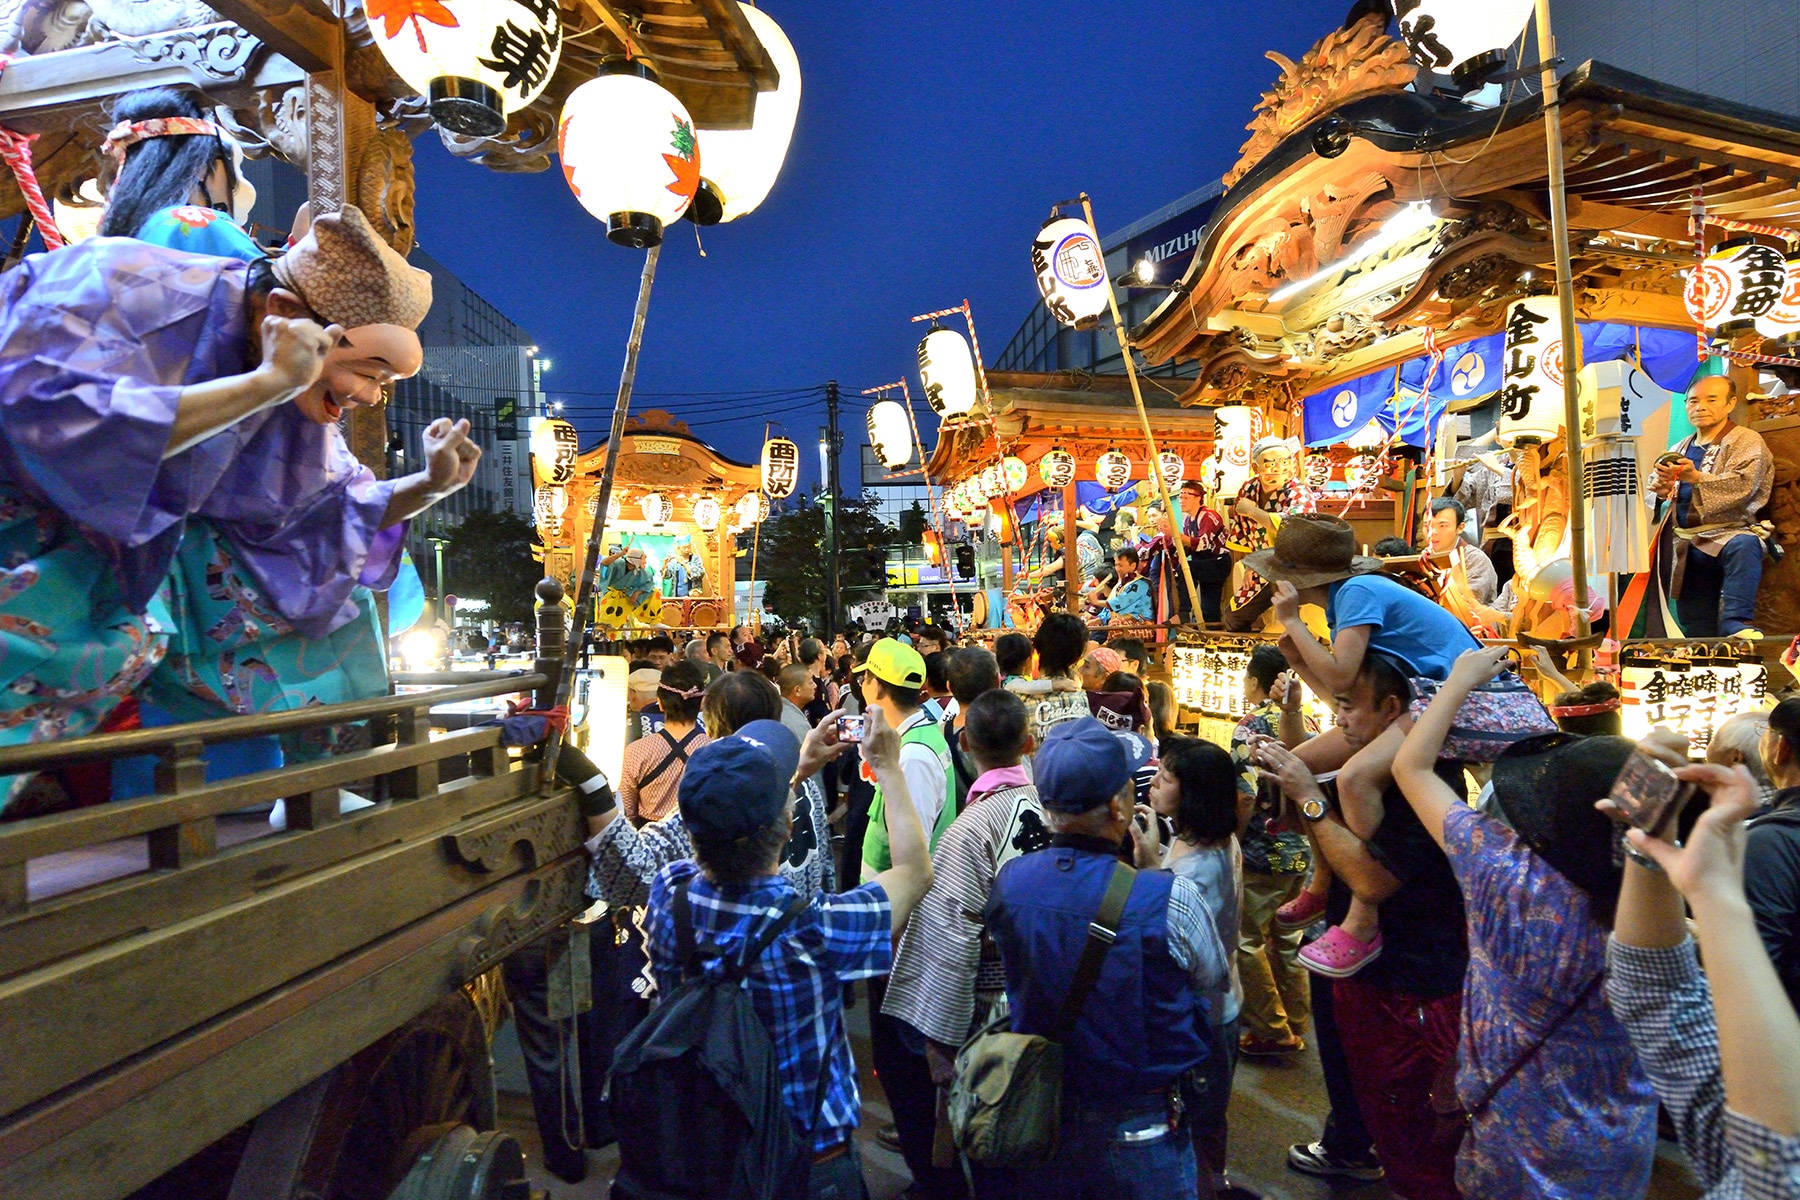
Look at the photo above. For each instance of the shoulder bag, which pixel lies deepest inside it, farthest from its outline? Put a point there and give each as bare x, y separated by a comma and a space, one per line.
1005, 1105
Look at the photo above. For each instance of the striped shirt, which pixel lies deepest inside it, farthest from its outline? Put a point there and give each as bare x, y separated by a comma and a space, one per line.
797, 986
1666, 1006
944, 961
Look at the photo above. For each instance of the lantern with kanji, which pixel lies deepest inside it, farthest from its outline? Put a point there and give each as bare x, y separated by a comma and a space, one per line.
780, 468
549, 503
751, 509
1173, 467
890, 434
629, 152
947, 370
656, 508
1782, 320
1057, 469
1531, 387
1113, 470
706, 513
554, 445
475, 61
1071, 271
1740, 281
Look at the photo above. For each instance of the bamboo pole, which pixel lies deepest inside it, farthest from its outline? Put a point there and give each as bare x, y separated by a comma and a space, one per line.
1072, 577
584, 590
1571, 332
752, 612
1171, 514
937, 515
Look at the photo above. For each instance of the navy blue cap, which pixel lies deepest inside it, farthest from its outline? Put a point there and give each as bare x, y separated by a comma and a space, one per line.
1139, 753
737, 786
1080, 766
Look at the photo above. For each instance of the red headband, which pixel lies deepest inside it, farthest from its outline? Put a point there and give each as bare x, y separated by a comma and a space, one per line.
1560, 711
126, 134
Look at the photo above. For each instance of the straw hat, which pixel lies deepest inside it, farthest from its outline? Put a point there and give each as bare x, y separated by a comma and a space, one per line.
345, 273
1310, 550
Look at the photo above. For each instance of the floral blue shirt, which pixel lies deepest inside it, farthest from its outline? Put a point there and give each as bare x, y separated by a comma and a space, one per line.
1578, 1120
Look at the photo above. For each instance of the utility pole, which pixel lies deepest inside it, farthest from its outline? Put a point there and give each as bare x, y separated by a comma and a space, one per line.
833, 452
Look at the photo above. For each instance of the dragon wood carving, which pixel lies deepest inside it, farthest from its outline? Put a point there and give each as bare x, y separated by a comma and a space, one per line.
1342, 66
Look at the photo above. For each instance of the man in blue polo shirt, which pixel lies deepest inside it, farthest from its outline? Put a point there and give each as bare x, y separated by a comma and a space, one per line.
1142, 1026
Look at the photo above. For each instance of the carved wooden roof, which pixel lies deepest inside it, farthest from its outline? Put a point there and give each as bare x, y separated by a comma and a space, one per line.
1087, 415
1636, 152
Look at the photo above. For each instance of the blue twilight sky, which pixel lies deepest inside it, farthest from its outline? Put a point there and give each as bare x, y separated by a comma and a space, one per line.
932, 139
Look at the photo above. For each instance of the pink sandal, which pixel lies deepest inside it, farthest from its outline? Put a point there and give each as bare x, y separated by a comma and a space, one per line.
1300, 912
1338, 955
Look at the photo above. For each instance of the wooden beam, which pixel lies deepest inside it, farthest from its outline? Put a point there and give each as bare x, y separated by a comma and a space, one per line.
301, 31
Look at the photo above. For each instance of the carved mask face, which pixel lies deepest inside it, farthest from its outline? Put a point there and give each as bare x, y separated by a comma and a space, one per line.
357, 370
1274, 468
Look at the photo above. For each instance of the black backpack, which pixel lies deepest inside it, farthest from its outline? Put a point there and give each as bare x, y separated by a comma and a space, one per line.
695, 1093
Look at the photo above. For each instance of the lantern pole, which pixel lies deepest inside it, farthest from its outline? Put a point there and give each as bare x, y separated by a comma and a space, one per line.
987, 402
584, 591
1571, 332
1171, 514
937, 520
752, 610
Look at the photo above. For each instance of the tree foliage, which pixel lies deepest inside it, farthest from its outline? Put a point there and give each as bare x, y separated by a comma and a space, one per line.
913, 524
792, 557
488, 557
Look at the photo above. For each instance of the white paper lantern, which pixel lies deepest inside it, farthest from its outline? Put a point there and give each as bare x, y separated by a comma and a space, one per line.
947, 371
1740, 281
1173, 466
780, 467
890, 434
1057, 469
741, 164
954, 507
1235, 429
612, 510
477, 61
990, 482
629, 153
1071, 271
549, 502
1461, 37
706, 513
554, 445
1782, 320
751, 509
1017, 473
78, 223
1531, 388
656, 508
1112, 470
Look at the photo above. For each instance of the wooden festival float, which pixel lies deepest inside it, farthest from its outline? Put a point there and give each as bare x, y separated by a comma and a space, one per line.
304, 1013
1375, 243
669, 485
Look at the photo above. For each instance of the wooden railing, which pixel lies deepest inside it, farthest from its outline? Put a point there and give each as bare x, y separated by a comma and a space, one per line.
180, 817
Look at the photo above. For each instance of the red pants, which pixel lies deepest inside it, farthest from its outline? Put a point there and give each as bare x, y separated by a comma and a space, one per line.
1395, 1045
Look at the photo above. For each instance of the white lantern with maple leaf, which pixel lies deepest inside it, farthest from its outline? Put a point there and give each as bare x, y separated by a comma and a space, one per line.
629, 152
476, 61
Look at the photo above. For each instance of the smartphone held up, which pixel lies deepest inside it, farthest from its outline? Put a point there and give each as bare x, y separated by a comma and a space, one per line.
1649, 795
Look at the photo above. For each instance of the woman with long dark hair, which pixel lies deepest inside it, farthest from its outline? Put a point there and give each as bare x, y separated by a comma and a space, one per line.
160, 168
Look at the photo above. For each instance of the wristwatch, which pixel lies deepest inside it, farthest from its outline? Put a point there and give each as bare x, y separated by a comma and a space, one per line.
1313, 808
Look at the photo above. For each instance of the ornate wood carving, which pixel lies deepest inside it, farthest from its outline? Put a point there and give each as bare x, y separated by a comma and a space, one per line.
1342, 66
549, 833
385, 189
551, 900
219, 52
524, 147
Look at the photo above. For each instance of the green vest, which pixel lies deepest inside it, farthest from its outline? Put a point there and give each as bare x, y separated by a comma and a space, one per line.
877, 856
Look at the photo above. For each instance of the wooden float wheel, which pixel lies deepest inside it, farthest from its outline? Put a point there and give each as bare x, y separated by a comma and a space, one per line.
465, 1165
356, 1132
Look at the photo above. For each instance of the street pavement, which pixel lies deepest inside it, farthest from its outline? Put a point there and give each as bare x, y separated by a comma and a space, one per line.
1274, 1104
